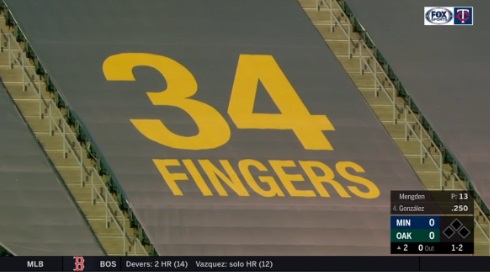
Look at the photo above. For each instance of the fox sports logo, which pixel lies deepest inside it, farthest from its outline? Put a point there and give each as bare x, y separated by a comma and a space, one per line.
439, 16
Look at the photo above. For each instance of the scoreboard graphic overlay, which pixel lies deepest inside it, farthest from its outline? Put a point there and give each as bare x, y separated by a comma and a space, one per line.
432, 222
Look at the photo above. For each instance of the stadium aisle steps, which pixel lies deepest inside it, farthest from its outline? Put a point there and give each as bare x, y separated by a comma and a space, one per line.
337, 40
65, 162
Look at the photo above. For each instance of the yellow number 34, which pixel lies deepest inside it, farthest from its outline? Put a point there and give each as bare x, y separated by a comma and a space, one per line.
214, 131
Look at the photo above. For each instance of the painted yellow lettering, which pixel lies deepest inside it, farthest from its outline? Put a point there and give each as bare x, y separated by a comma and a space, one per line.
196, 176
230, 178
373, 190
327, 176
170, 178
244, 166
293, 113
288, 179
181, 85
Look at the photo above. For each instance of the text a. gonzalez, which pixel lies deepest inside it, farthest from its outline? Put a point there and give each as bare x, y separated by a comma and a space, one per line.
412, 208
273, 178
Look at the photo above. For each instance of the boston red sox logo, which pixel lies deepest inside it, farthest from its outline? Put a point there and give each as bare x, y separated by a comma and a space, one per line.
79, 263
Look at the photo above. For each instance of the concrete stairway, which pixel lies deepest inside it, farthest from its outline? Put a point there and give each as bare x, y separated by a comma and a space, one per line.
61, 146
378, 90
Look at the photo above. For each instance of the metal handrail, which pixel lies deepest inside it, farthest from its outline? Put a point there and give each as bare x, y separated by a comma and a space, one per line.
346, 32
363, 63
72, 146
424, 151
106, 196
407, 109
13, 59
448, 154
83, 133
109, 199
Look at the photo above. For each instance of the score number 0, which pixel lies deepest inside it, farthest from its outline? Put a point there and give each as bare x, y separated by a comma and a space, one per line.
432, 236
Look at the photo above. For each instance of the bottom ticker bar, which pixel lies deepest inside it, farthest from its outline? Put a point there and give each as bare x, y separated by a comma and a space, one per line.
432, 248
386, 263
86, 263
